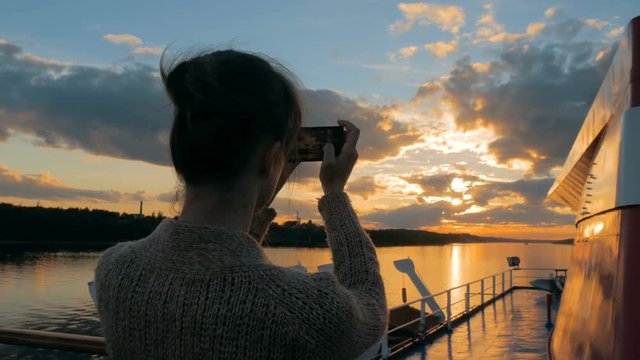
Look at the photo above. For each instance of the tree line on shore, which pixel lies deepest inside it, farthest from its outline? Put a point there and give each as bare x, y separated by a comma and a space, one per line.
91, 227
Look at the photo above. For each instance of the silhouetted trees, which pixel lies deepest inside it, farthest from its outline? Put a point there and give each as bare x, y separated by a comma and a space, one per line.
22, 223
100, 228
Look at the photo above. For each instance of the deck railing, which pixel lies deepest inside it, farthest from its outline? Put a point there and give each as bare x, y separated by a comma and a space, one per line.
462, 301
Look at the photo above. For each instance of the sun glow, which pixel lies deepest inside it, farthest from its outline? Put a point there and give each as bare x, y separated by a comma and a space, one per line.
459, 185
436, 199
448, 138
474, 209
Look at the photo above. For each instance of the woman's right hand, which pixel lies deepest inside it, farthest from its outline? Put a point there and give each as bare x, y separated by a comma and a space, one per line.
335, 171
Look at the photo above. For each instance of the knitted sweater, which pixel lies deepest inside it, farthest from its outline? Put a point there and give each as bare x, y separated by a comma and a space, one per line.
195, 292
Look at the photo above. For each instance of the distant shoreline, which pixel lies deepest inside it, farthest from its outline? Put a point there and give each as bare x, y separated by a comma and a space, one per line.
79, 245
42, 228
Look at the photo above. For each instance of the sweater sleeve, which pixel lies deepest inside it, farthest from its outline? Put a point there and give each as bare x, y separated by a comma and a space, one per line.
354, 256
359, 289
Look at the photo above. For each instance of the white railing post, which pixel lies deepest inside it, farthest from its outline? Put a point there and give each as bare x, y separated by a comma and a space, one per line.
466, 299
511, 279
503, 282
384, 352
422, 326
482, 292
449, 309
494, 287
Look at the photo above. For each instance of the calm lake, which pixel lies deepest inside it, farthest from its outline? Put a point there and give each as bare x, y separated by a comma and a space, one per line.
48, 290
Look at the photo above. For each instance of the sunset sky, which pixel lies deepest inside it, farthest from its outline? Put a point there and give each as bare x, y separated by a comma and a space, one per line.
467, 108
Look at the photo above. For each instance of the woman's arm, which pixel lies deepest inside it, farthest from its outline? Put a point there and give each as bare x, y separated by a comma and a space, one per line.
360, 288
354, 257
360, 297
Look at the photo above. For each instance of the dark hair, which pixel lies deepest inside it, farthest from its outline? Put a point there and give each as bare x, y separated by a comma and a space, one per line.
226, 103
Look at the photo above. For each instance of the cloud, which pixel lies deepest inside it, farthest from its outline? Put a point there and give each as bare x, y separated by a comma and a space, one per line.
45, 187
407, 52
534, 29
551, 12
381, 134
123, 112
533, 191
128, 39
534, 96
441, 49
365, 187
595, 23
412, 216
40, 60
481, 67
168, 197
449, 18
119, 112
602, 54
4, 134
155, 51
440, 184
519, 214
134, 42
481, 201
615, 32
489, 30
429, 89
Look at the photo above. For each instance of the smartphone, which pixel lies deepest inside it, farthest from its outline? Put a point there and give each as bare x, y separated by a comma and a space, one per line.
311, 141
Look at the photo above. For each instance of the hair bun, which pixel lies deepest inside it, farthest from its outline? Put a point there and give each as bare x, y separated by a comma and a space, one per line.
177, 85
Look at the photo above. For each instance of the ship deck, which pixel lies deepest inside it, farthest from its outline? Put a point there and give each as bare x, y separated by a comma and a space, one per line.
513, 327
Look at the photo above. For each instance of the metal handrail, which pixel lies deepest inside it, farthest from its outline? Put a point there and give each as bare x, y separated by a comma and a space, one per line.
505, 285
458, 287
53, 340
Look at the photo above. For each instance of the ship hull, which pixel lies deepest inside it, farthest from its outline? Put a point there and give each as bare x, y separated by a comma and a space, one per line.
599, 311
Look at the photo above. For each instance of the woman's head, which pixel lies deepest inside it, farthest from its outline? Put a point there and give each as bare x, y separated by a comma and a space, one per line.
228, 106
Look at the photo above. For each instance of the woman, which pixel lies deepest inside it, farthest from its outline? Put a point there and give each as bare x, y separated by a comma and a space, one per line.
201, 286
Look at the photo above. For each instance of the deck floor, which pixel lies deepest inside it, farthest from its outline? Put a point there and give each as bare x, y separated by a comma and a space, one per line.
511, 328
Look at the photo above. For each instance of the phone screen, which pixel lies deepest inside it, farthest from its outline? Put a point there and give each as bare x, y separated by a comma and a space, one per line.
311, 141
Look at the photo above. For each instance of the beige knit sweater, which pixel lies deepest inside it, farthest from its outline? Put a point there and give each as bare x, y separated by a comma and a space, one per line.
196, 292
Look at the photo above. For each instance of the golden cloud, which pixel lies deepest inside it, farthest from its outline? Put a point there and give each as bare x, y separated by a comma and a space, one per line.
481, 67
615, 32
441, 49
551, 12
407, 52
488, 29
155, 51
595, 23
449, 18
128, 39
46, 187
534, 29
40, 60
